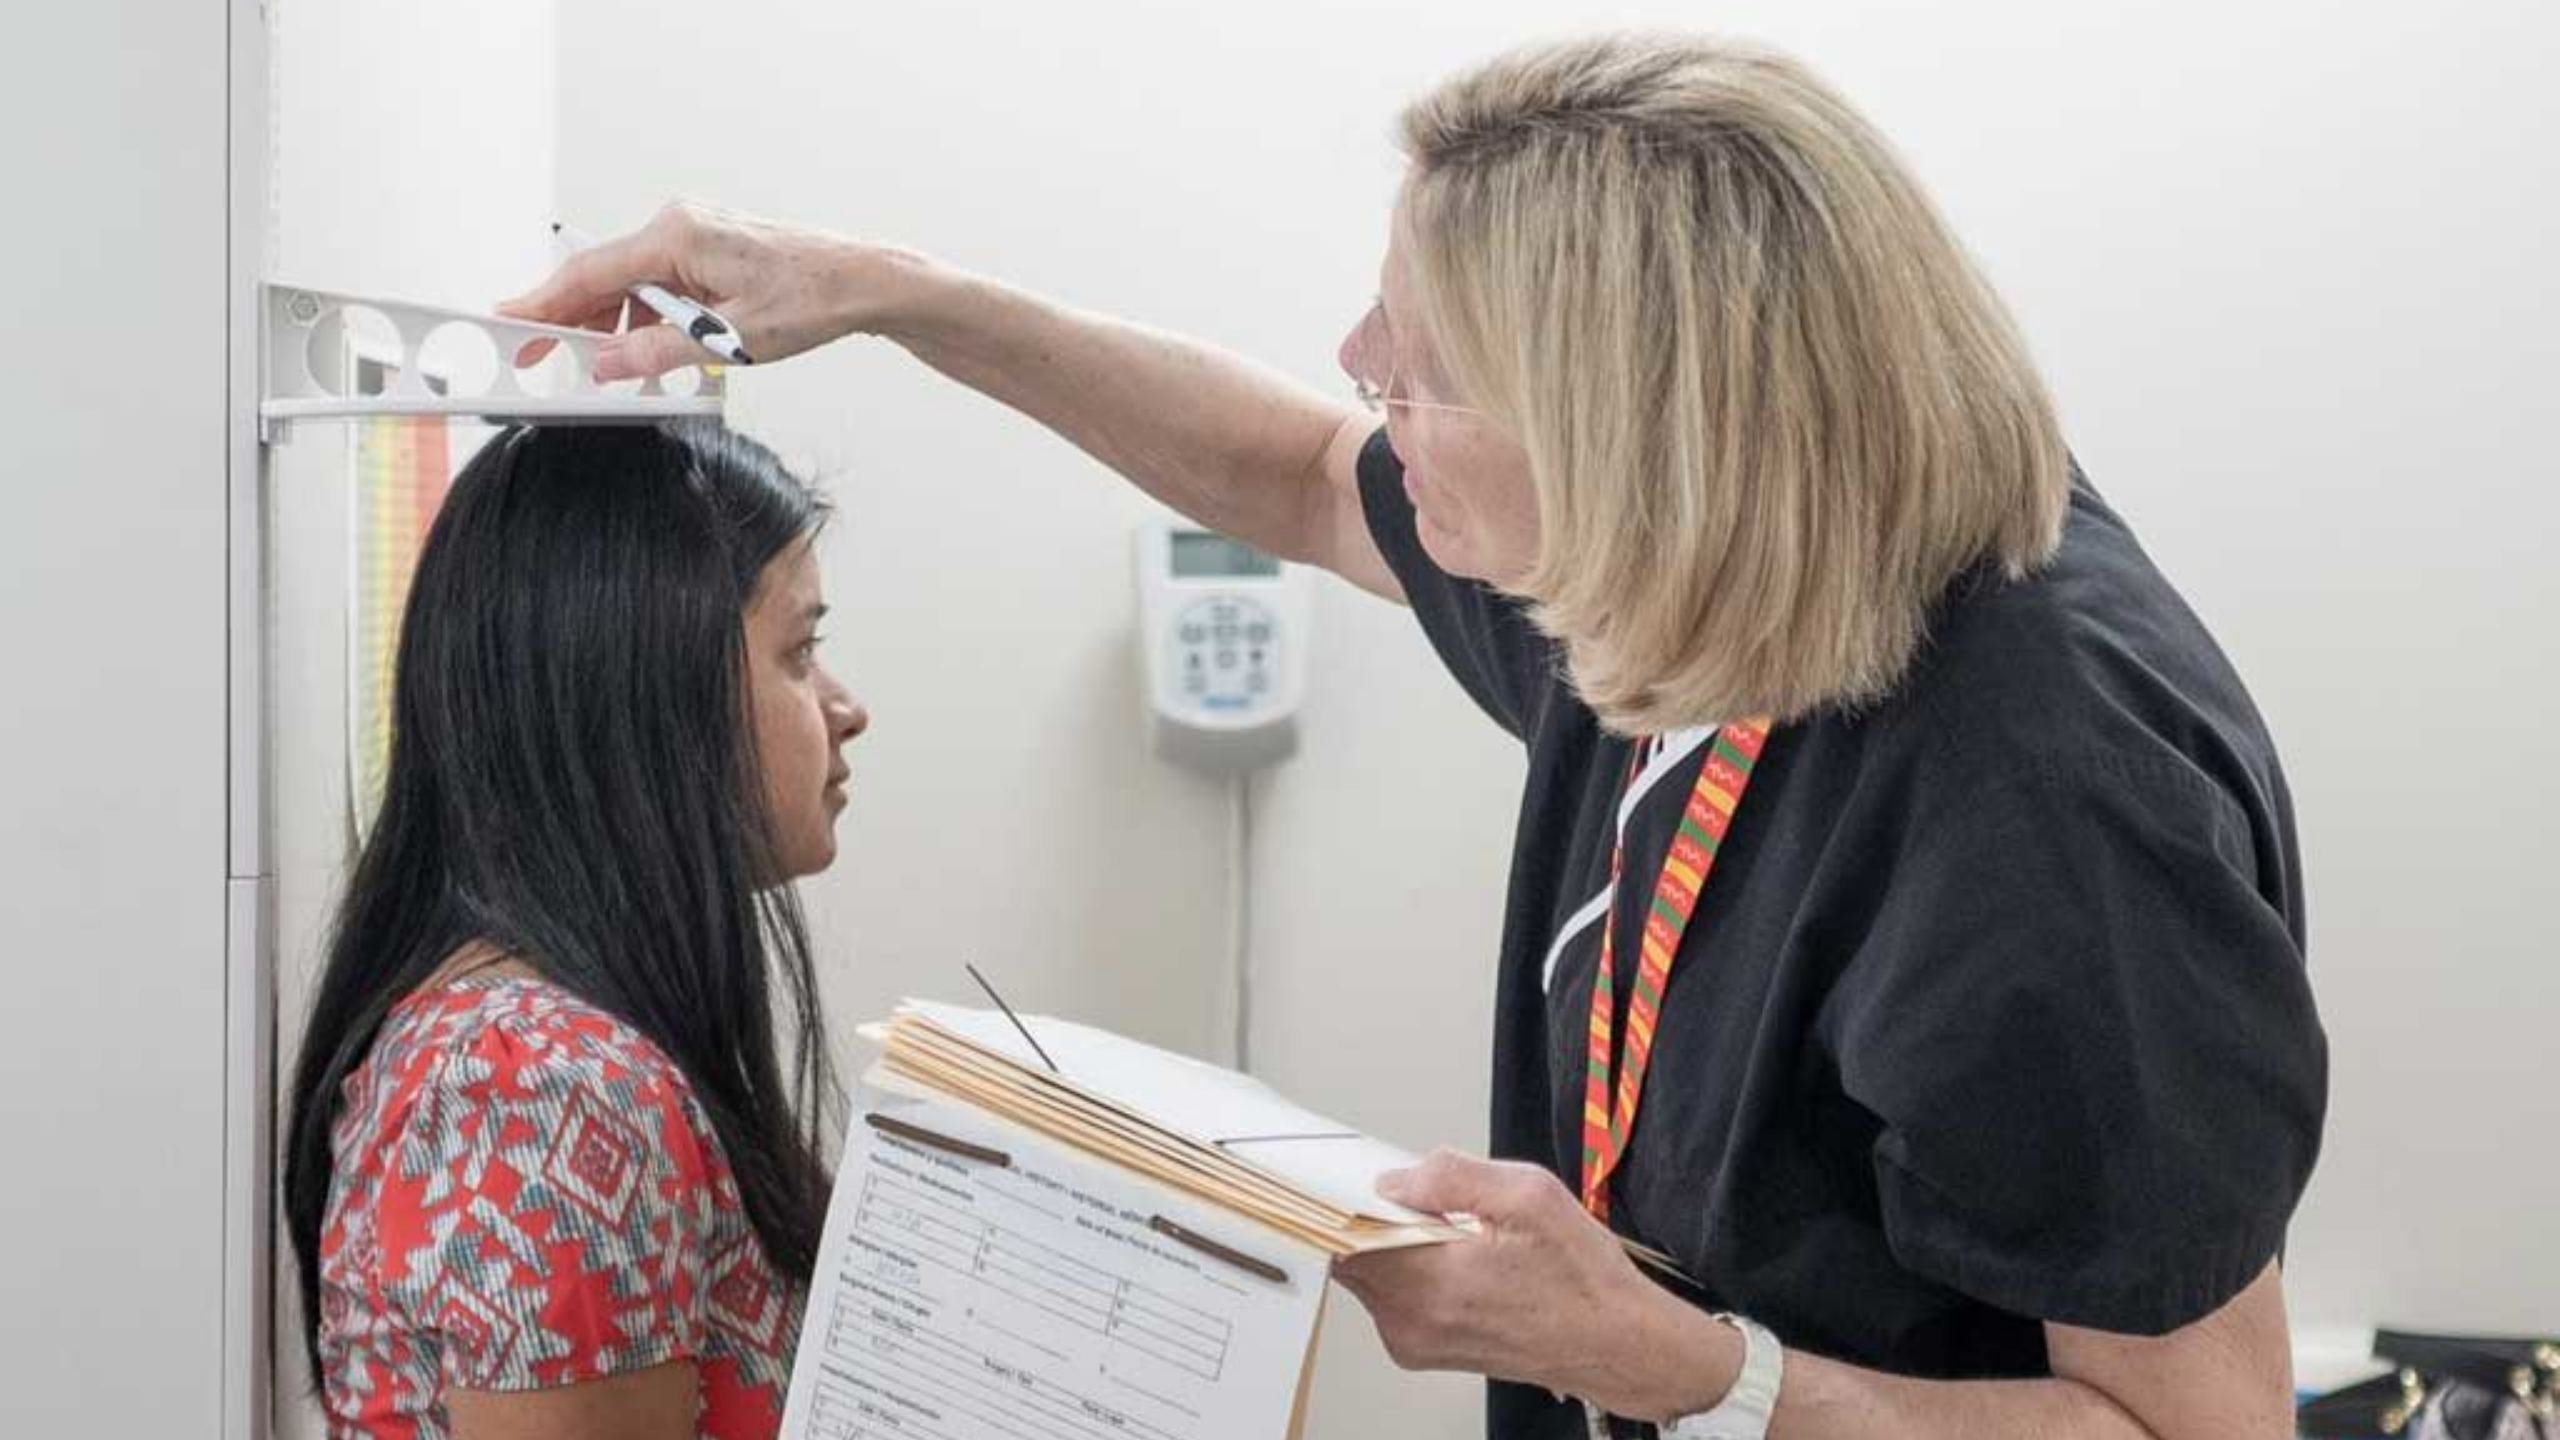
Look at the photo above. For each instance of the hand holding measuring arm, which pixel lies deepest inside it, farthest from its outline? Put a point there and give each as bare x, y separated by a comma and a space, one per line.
785, 288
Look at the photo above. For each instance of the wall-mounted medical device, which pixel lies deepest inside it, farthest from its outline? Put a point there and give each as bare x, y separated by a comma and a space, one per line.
1223, 633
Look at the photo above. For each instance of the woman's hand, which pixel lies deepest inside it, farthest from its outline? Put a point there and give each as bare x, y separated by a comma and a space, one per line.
1543, 1295
786, 289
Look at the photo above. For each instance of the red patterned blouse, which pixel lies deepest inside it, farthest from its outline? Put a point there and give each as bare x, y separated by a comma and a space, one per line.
527, 1194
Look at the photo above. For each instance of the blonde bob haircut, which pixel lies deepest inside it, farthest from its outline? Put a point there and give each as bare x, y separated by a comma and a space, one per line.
1770, 409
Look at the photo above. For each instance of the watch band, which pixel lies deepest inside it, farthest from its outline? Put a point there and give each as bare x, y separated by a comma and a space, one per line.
1743, 1413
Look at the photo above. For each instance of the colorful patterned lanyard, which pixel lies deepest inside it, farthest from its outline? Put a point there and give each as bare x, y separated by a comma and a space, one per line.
1721, 781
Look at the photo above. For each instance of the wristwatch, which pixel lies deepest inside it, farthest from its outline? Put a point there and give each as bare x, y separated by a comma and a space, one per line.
1743, 1413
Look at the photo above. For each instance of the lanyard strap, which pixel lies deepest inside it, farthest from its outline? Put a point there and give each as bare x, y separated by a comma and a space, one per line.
1608, 1120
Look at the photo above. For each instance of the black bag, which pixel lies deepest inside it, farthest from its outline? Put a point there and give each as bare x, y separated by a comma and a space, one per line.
2446, 1387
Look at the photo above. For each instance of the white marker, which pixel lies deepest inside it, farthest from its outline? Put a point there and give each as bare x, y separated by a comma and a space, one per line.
697, 320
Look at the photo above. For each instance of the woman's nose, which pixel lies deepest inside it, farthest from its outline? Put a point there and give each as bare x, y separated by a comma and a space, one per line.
850, 715
847, 717
1353, 355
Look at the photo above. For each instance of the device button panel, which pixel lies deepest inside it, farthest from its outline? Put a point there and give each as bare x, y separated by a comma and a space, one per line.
1226, 655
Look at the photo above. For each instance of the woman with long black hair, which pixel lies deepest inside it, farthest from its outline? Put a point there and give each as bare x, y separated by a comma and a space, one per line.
548, 1170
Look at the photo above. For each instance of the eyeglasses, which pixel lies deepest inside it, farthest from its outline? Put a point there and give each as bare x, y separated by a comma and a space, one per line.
1375, 396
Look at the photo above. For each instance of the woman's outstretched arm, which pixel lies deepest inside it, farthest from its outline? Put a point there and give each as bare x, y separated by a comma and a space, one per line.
1234, 446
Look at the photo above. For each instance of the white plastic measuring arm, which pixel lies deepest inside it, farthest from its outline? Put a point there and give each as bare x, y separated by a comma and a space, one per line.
295, 315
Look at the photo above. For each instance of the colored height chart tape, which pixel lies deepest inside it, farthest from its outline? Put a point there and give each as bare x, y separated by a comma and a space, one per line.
403, 466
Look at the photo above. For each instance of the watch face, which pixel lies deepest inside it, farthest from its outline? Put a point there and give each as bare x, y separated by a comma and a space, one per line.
1604, 1426
1717, 1427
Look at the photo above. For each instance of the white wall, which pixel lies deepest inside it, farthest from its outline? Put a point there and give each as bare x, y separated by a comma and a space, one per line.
2286, 268
111, 721
413, 159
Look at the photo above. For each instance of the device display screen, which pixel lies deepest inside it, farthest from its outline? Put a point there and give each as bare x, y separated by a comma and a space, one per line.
1200, 555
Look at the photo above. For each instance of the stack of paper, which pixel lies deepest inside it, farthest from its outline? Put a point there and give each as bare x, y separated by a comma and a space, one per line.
1223, 1138
1128, 1246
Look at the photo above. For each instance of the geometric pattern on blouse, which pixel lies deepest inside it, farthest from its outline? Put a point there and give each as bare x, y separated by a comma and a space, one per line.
526, 1193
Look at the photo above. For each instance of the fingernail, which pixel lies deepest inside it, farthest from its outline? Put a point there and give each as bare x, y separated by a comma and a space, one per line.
1391, 1185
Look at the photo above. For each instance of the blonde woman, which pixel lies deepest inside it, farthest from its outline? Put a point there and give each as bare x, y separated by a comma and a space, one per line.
1906, 928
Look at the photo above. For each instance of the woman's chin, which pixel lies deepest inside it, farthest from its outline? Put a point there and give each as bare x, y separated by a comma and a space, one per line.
1447, 548
807, 859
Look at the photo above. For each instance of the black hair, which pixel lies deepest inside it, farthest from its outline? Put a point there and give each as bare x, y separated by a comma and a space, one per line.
573, 779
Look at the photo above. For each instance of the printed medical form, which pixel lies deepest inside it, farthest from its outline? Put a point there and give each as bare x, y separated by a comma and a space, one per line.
979, 1282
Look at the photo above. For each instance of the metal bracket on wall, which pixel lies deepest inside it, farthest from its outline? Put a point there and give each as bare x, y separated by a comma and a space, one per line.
414, 359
